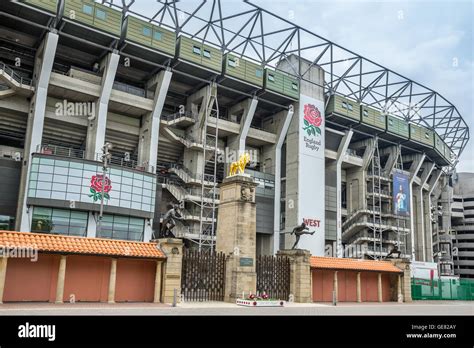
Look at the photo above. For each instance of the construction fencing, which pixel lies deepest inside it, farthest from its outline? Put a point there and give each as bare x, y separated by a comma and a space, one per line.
445, 289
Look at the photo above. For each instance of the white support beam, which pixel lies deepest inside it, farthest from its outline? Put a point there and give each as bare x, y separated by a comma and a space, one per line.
277, 202
97, 126
148, 146
424, 178
34, 132
341, 155
415, 168
247, 118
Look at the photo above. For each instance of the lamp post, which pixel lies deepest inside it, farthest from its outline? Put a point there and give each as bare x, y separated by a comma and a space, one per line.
105, 158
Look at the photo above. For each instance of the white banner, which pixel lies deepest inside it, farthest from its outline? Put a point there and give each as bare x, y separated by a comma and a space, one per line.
311, 174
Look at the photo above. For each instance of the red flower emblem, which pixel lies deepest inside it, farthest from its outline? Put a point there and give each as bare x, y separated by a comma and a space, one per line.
312, 119
99, 185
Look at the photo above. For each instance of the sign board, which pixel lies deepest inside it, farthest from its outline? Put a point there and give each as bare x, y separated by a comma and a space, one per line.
311, 173
246, 262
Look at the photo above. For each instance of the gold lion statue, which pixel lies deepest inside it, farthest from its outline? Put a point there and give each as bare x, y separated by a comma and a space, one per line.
239, 166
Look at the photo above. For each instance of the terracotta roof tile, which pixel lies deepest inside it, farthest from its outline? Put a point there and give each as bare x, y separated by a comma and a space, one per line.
318, 262
80, 245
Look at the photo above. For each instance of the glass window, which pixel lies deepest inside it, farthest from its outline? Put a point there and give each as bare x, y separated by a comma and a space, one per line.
271, 77
349, 106
147, 31
59, 221
232, 62
87, 9
196, 50
427, 135
207, 53
122, 227
100, 14
258, 72
390, 121
366, 113
344, 105
294, 86
157, 35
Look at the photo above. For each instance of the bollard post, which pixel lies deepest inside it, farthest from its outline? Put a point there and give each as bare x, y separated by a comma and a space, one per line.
174, 297
334, 302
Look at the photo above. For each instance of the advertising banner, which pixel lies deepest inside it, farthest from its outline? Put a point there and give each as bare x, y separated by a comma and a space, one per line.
401, 194
311, 174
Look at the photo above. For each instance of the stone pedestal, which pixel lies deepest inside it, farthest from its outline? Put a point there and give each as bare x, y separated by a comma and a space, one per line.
173, 249
300, 274
236, 234
403, 282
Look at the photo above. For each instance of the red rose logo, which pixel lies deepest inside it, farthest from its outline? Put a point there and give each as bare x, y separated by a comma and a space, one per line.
99, 185
312, 119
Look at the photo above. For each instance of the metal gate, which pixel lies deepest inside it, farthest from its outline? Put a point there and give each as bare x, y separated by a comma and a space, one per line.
203, 276
273, 276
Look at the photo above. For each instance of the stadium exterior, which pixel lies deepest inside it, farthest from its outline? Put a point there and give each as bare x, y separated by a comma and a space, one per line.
180, 97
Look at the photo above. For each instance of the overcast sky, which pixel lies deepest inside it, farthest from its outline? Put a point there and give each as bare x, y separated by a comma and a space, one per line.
428, 41
421, 40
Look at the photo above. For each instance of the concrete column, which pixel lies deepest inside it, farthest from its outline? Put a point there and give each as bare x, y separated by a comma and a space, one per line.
34, 132
149, 131
300, 274
335, 286
247, 108
433, 184
112, 281
341, 155
277, 201
97, 126
3, 276
61, 278
157, 293
173, 249
393, 155
359, 290
415, 167
379, 287
399, 289
421, 233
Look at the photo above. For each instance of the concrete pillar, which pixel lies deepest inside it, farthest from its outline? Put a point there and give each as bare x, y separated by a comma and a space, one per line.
61, 278
379, 287
300, 274
422, 216
157, 293
112, 281
173, 249
359, 290
335, 286
341, 155
237, 234
149, 131
393, 155
247, 108
415, 167
399, 289
97, 126
281, 135
404, 278
3, 276
34, 132
429, 230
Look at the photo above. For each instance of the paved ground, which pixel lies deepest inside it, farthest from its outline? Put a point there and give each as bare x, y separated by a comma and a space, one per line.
220, 308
